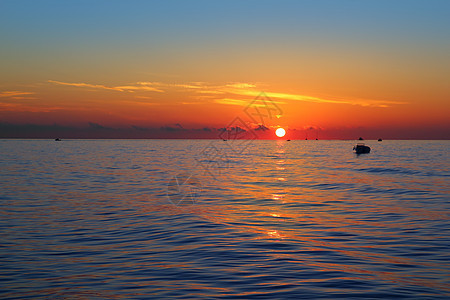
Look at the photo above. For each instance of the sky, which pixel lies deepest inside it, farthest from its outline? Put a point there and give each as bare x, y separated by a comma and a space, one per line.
195, 69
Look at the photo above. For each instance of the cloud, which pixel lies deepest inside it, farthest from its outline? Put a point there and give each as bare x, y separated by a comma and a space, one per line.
312, 127
211, 92
191, 85
241, 85
123, 88
97, 126
16, 95
186, 86
244, 91
243, 102
251, 90
138, 86
169, 128
261, 127
139, 128
229, 101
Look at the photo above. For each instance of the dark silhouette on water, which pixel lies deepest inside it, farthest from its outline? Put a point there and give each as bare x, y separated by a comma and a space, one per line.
361, 139
380, 140
57, 139
361, 148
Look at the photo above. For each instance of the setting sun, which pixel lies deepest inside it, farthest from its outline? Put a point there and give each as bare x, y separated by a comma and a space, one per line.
280, 132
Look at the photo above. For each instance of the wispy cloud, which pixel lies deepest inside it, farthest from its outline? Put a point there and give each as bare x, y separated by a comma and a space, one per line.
190, 85
138, 86
122, 88
242, 102
223, 93
241, 85
249, 90
212, 92
16, 95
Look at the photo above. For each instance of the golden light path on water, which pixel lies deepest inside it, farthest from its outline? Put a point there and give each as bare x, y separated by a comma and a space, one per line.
268, 203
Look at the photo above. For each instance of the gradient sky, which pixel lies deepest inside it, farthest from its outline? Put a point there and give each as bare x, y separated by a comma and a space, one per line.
338, 68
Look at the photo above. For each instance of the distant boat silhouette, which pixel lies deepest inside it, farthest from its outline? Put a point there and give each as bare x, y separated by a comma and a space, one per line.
224, 140
57, 139
361, 139
288, 140
380, 140
361, 148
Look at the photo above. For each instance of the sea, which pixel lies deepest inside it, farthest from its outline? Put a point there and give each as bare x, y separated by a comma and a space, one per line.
215, 219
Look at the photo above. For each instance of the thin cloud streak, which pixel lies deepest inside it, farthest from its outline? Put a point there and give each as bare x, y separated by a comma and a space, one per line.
124, 88
241, 85
241, 102
192, 85
304, 98
14, 94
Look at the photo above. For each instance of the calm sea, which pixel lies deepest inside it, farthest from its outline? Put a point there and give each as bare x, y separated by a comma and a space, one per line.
136, 219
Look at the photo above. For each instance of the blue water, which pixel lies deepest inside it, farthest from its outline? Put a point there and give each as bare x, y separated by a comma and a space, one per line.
135, 219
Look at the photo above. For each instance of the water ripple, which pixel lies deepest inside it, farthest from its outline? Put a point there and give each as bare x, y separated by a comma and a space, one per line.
302, 220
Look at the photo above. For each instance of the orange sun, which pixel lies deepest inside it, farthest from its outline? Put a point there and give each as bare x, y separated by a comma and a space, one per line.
280, 132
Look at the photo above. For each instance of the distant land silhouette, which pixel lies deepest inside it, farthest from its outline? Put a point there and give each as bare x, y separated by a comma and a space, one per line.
94, 130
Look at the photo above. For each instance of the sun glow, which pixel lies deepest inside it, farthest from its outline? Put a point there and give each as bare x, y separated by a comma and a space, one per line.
280, 132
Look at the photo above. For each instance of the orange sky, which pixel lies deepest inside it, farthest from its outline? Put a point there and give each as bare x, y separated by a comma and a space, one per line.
342, 72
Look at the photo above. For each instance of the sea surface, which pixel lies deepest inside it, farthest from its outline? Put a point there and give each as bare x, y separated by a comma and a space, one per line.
139, 219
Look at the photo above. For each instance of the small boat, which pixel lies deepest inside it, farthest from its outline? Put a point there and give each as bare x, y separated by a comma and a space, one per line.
57, 139
224, 140
288, 140
380, 140
361, 139
361, 148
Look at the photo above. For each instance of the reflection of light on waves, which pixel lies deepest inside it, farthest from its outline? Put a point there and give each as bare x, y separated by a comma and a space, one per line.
232, 217
277, 196
224, 215
280, 164
274, 234
312, 244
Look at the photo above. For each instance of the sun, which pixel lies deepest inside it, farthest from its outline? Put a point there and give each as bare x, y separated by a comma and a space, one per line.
280, 132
